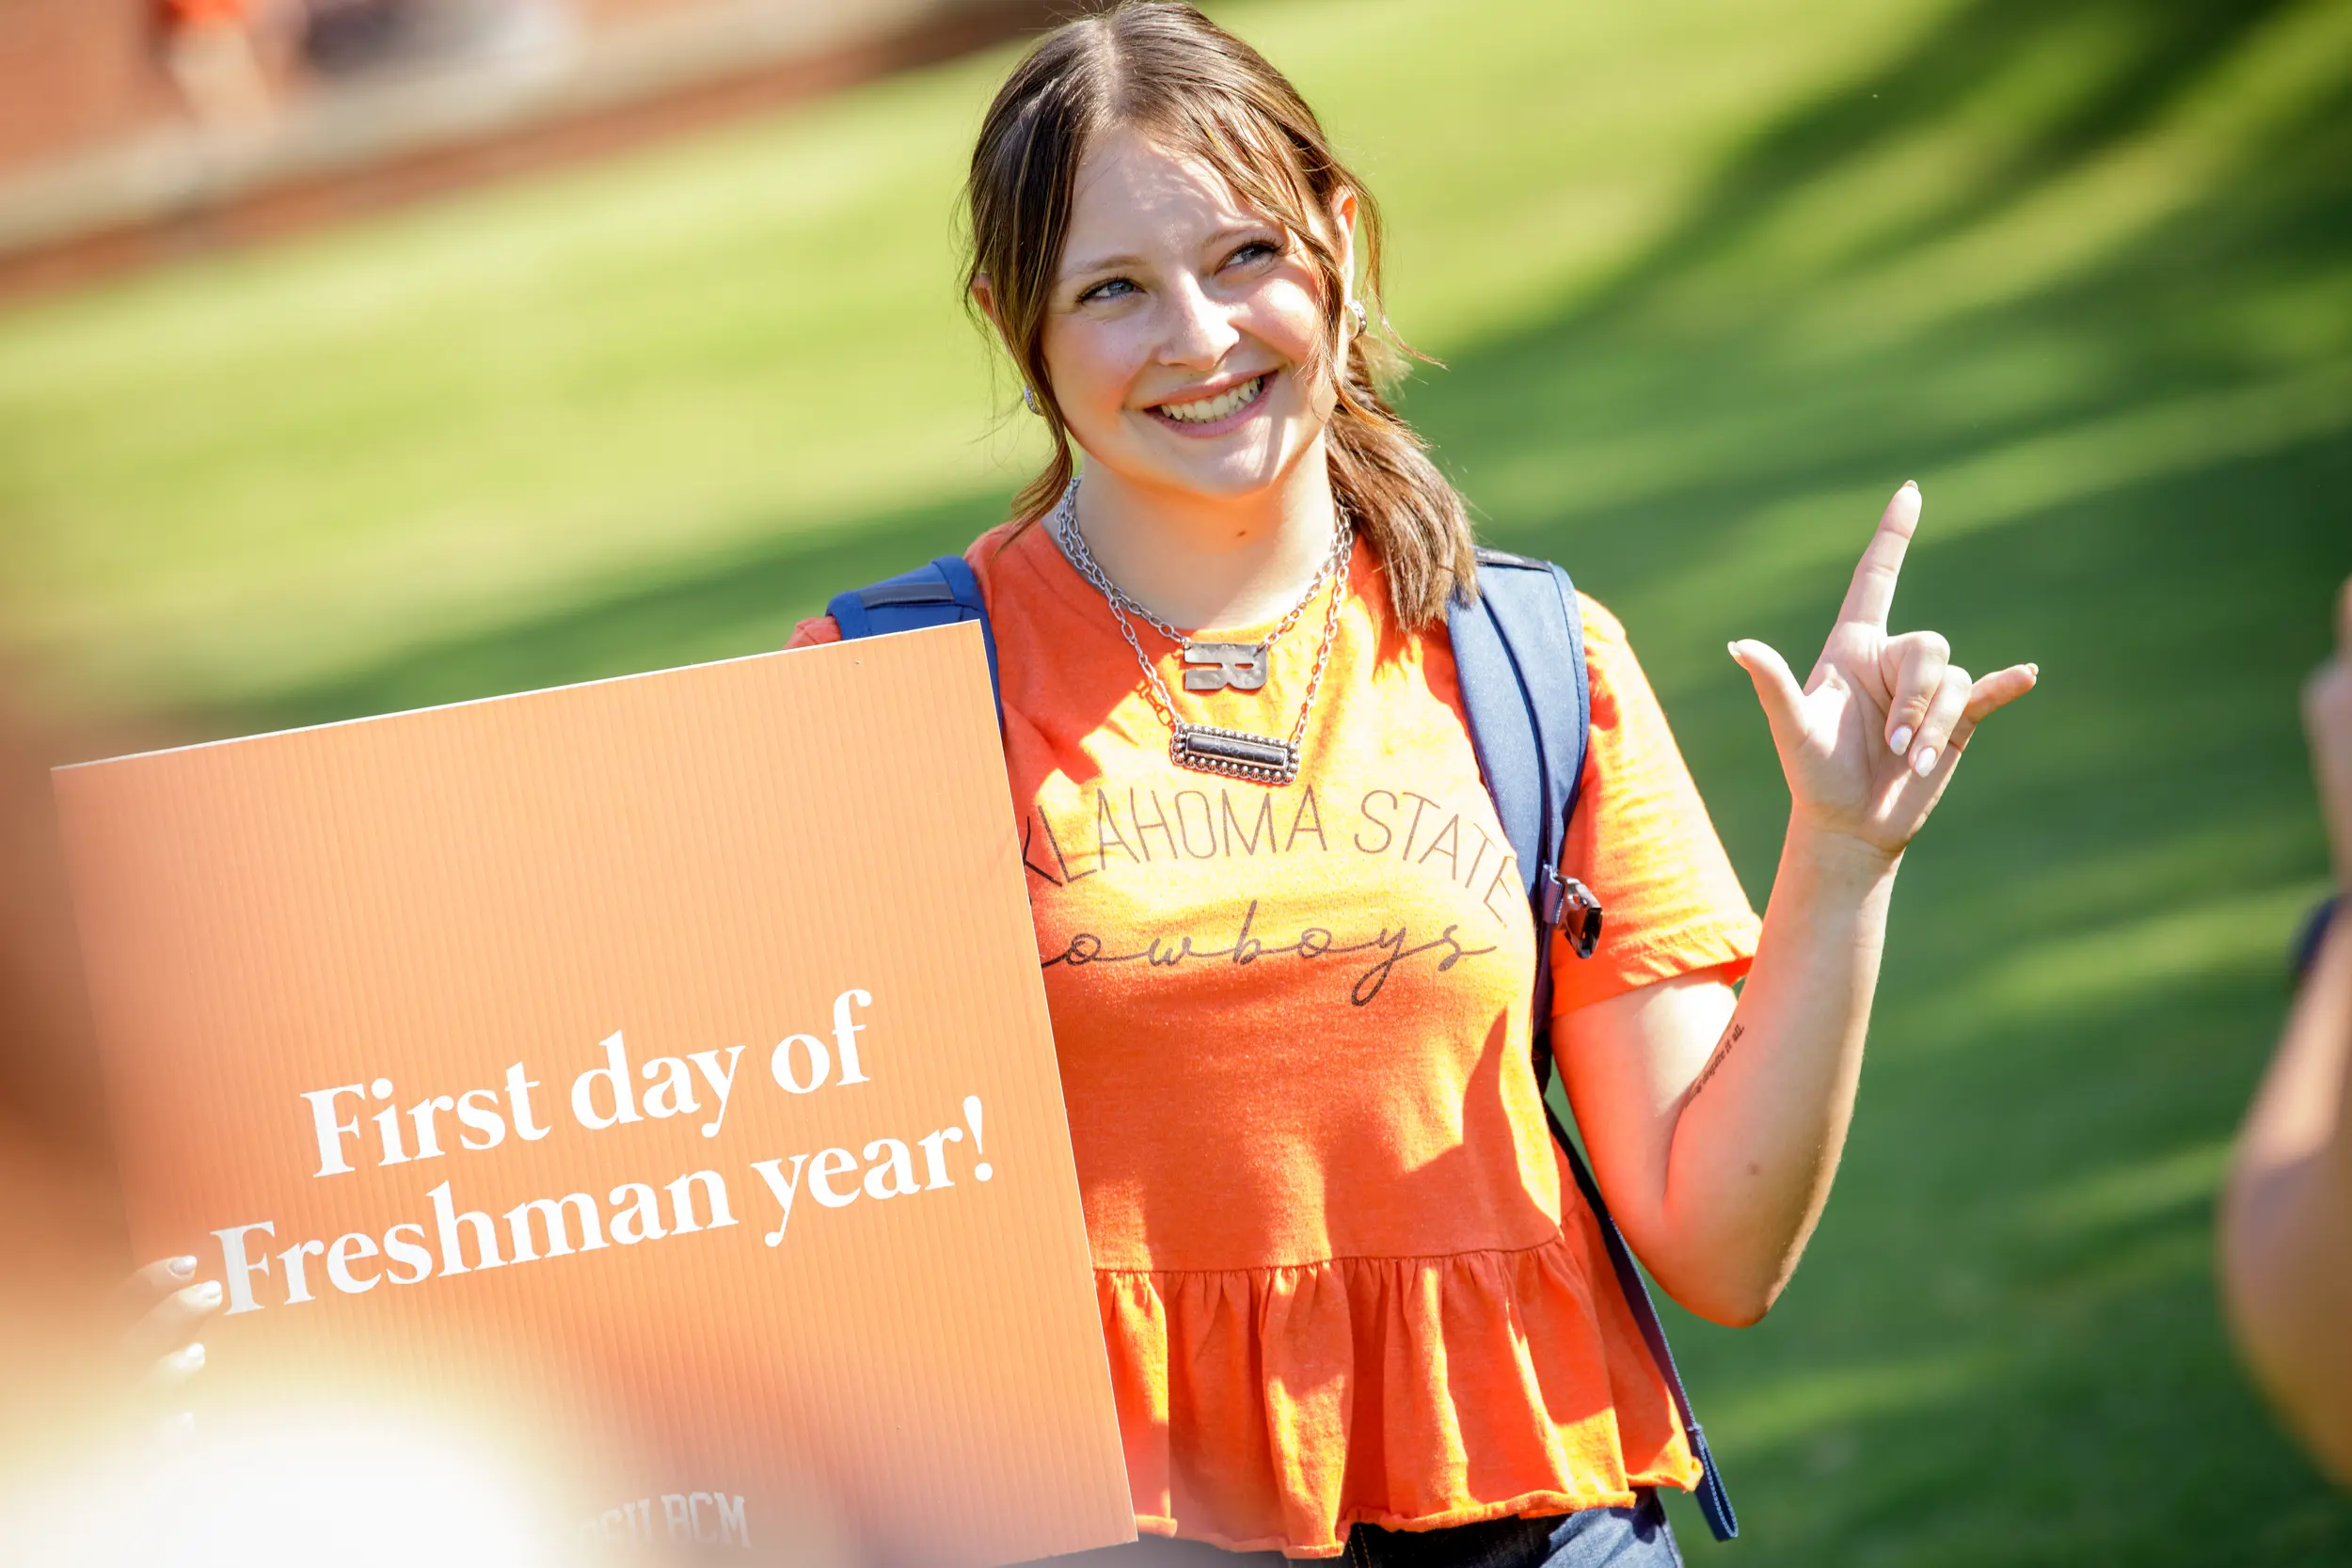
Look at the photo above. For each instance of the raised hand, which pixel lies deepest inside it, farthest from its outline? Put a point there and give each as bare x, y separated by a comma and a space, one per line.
1871, 739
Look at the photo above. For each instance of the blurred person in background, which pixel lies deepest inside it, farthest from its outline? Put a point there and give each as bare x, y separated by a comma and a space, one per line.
218, 54
2287, 1217
347, 38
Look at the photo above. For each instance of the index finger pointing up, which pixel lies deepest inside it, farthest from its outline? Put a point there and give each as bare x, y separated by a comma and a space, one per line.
1873, 593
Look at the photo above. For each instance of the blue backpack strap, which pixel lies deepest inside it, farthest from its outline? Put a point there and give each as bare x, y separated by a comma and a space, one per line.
941, 593
1518, 651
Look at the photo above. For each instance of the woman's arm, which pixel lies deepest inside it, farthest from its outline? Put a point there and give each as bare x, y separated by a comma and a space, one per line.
1715, 1119
1715, 1123
2287, 1217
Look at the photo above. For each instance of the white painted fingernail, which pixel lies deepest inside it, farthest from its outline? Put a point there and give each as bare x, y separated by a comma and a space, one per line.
1924, 764
182, 1268
1900, 742
191, 1358
205, 1296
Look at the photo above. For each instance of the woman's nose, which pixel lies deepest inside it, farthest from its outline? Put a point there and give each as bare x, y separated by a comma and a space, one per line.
1199, 329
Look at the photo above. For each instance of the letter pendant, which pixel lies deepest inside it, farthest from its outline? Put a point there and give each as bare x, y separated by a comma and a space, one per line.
1213, 666
1235, 754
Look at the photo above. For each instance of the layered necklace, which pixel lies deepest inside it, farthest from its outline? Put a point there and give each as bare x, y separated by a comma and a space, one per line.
1217, 666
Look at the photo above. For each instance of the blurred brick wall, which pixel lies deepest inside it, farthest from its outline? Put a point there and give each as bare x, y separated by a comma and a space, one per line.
77, 73
103, 169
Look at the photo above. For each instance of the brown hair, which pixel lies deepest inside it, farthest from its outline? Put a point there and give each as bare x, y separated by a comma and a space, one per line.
1170, 72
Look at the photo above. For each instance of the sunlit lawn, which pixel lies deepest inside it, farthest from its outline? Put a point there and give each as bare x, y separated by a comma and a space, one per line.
1709, 281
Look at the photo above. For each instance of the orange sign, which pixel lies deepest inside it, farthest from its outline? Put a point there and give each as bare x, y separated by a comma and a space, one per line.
665, 1056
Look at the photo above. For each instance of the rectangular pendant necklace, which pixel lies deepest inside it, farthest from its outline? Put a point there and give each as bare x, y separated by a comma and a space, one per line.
1235, 754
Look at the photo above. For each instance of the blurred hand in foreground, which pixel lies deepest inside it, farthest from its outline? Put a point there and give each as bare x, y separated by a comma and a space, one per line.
172, 1303
2287, 1217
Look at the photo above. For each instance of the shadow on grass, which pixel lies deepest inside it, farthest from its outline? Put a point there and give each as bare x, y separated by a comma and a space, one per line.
1978, 1364
1956, 1378
2132, 61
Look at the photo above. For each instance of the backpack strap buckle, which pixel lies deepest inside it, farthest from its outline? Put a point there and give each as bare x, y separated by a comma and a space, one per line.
1567, 905
942, 593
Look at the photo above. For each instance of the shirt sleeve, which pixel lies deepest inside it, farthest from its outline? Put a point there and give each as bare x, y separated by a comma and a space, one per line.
1671, 904
816, 629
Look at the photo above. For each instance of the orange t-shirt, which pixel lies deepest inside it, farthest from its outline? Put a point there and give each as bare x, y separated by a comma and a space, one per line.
1343, 1273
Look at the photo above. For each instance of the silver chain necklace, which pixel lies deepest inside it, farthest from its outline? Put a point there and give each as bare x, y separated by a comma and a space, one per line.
1210, 666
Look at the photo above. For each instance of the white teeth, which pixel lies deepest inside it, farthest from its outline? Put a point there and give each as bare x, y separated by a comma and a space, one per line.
1209, 410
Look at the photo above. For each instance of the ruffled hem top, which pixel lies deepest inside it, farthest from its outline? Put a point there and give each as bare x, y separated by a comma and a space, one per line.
1270, 1409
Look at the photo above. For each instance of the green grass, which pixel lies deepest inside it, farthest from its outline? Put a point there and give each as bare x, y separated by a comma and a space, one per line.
1710, 280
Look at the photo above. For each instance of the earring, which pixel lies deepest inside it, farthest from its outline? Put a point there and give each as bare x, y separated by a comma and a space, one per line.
1028, 399
1355, 307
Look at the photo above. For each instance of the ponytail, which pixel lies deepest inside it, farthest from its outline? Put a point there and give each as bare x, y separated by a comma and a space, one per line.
1409, 512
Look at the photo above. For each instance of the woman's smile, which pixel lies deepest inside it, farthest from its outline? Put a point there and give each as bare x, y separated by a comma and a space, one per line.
1214, 413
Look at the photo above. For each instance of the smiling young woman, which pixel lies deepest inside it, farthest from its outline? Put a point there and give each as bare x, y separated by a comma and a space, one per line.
1351, 1301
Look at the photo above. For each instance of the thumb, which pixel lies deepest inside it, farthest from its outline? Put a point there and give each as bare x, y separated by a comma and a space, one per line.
1776, 688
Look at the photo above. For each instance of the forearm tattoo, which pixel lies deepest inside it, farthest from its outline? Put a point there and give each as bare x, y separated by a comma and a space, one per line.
1723, 1049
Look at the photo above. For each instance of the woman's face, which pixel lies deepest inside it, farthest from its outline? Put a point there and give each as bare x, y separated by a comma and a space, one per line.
1178, 327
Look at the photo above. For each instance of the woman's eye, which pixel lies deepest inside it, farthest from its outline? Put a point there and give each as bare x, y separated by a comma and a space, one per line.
1256, 250
1109, 289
